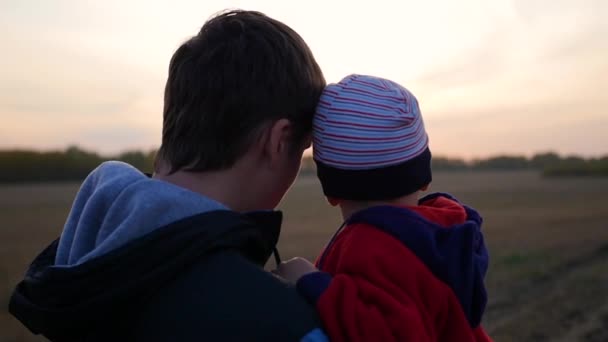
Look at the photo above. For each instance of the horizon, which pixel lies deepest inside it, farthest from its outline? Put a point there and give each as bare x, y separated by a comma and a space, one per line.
308, 153
507, 77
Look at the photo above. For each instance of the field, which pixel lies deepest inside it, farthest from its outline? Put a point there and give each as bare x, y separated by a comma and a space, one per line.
548, 239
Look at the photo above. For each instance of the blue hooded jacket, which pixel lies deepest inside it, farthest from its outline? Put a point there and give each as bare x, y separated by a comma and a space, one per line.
143, 260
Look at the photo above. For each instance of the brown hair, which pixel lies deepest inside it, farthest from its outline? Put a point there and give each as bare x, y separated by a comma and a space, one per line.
242, 71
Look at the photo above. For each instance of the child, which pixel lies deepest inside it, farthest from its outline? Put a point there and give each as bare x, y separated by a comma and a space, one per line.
400, 269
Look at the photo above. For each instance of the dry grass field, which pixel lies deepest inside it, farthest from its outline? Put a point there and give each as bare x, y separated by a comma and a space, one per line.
548, 239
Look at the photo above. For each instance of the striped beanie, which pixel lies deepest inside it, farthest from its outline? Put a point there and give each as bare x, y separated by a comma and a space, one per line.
369, 141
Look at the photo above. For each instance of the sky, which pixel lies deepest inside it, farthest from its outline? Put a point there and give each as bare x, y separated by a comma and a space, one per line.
492, 76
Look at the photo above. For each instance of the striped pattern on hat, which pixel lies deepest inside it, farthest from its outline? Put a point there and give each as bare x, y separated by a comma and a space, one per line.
365, 123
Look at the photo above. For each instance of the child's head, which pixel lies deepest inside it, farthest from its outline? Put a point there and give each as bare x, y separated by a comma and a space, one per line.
369, 141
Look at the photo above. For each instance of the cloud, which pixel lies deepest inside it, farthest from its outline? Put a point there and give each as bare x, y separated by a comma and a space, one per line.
107, 135
508, 131
54, 94
526, 61
118, 137
39, 76
92, 72
480, 64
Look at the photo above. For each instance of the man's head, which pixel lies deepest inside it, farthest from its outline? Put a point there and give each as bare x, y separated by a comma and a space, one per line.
369, 141
246, 83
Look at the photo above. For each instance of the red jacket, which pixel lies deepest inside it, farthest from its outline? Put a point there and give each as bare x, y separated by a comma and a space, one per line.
403, 274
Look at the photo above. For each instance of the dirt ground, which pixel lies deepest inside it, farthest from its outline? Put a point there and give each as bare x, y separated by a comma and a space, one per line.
548, 239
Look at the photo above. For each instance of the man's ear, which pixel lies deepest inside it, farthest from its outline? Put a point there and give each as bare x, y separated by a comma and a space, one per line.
278, 140
425, 188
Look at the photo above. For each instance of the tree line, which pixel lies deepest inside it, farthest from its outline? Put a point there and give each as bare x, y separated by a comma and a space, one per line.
550, 164
71, 164
75, 163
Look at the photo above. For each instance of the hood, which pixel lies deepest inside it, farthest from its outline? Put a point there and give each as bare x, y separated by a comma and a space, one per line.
446, 236
126, 237
116, 204
441, 210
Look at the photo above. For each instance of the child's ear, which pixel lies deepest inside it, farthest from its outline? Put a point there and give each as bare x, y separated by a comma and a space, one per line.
333, 201
425, 188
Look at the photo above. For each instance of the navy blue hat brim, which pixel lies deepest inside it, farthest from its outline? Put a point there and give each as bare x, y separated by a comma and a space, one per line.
376, 184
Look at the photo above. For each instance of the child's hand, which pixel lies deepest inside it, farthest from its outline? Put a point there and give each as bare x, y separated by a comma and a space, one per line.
293, 269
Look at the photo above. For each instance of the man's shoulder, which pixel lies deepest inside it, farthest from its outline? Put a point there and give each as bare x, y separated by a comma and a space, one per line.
226, 297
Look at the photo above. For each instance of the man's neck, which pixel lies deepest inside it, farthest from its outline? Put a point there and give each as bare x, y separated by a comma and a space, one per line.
221, 186
351, 207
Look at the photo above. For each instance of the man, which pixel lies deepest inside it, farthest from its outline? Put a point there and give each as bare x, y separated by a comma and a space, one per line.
179, 256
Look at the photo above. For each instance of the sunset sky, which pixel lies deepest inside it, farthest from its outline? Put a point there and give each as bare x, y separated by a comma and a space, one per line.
491, 76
